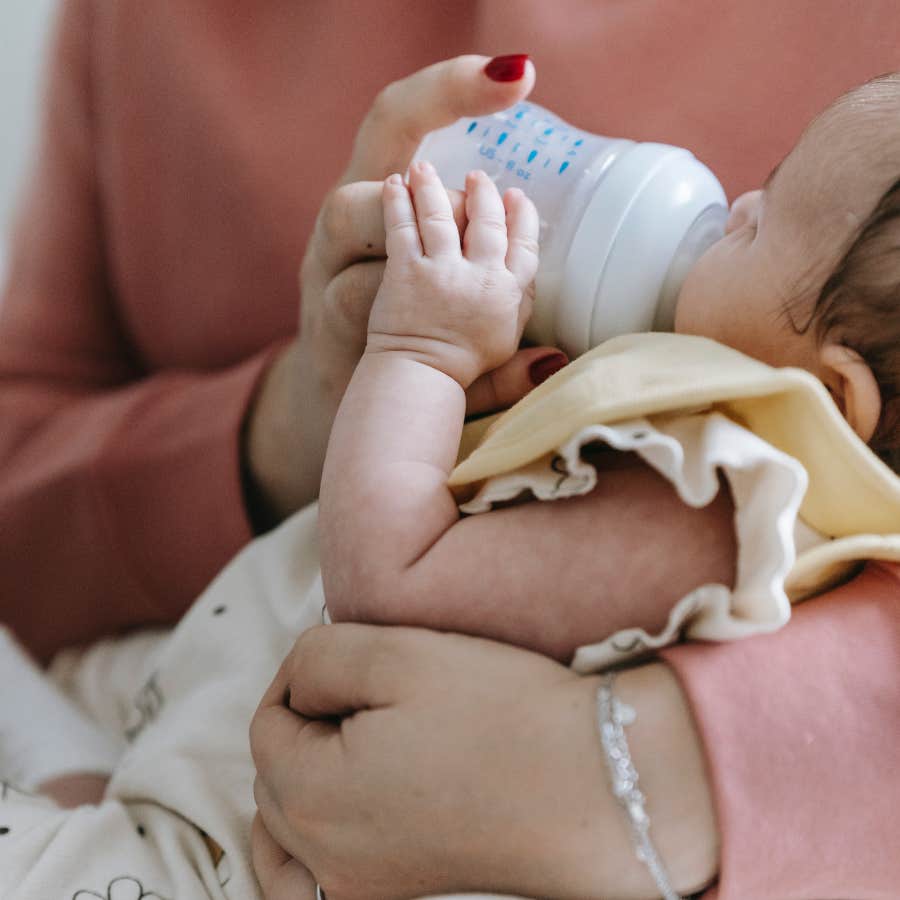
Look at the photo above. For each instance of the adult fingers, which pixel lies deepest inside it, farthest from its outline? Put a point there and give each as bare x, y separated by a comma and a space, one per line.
508, 383
348, 300
281, 831
277, 729
335, 670
350, 226
485, 238
280, 876
278, 735
405, 111
267, 857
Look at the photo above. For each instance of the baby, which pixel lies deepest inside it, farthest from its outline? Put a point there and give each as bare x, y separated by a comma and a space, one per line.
806, 276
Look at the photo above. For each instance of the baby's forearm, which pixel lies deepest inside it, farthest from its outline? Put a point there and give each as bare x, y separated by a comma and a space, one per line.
384, 498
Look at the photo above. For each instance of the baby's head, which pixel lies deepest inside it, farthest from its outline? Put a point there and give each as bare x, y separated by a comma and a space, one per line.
808, 273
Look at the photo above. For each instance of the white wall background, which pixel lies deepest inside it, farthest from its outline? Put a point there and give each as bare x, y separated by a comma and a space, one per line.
23, 34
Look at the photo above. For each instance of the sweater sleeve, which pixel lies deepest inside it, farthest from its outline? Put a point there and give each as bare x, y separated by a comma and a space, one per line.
120, 491
801, 729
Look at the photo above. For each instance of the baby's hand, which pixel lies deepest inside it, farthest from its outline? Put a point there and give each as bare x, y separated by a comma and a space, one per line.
459, 307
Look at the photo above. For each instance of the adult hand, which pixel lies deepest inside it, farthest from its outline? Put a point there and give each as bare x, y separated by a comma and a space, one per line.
288, 425
397, 762
280, 876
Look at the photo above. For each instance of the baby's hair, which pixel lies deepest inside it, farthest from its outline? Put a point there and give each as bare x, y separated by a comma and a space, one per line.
859, 306
859, 303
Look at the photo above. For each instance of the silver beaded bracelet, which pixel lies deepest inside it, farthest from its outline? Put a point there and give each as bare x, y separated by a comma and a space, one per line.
612, 717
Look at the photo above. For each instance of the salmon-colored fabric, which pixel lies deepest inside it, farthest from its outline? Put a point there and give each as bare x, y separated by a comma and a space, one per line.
186, 148
801, 729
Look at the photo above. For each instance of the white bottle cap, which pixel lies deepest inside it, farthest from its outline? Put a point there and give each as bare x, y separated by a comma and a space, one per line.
633, 228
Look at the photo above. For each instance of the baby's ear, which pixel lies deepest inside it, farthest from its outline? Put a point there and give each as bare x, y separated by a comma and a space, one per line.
852, 384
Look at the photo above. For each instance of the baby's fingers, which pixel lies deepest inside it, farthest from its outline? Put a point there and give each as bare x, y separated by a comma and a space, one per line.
523, 226
437, 227
401, 233
485, 239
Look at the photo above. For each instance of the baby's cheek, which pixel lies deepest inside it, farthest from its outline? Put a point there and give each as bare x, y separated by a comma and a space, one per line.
704, 297
685, 309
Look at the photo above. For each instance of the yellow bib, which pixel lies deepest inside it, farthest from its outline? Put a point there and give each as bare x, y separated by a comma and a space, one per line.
853, 497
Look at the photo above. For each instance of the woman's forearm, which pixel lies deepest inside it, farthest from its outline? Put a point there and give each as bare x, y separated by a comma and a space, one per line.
284, 437
467, 765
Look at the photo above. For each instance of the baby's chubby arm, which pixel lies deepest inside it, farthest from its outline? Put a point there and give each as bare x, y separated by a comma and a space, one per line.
548, 576
446, 312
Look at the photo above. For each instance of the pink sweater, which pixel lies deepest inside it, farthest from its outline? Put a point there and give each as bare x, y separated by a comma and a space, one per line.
186, 148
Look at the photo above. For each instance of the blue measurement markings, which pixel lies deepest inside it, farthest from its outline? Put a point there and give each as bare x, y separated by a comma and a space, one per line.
540, 139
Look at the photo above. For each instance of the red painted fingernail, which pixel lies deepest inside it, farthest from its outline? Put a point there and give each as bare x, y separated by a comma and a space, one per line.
541, 369
506, 68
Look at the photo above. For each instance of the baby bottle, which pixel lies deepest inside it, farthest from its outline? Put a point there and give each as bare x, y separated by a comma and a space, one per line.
621, 222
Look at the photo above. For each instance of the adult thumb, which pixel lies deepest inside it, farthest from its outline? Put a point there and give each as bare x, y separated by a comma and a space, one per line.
507, 384
436, 96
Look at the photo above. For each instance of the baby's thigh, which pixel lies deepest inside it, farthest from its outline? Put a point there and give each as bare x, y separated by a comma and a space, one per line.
114, 850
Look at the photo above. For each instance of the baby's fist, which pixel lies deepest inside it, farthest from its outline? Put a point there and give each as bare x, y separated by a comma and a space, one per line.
459, 306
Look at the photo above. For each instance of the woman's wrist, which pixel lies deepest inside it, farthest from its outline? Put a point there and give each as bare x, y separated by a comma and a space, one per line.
581, 845
284, 439
592, 853
668, 756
